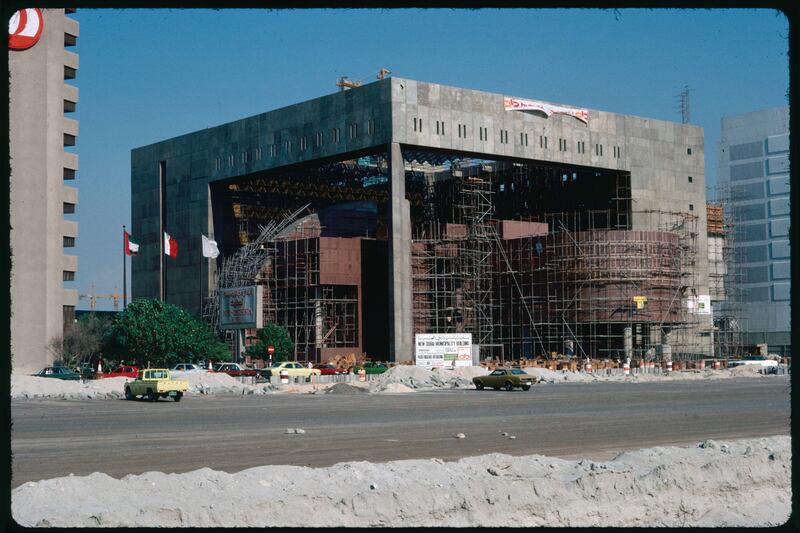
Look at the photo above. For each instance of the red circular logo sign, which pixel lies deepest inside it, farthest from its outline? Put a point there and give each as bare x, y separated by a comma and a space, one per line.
24, 28
271, 349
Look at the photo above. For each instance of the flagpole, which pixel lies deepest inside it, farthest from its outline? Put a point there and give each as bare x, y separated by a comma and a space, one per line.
202, 260
124, 272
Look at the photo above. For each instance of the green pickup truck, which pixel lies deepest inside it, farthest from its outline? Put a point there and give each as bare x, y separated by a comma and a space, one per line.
154, 383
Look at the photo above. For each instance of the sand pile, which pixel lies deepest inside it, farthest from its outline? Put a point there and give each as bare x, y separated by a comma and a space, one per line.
713, 484
346, 388
415, 377
23, 386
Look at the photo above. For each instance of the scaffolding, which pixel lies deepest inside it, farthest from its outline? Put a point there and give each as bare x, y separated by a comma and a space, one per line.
244, 267
317, 316
724, 277
586, 286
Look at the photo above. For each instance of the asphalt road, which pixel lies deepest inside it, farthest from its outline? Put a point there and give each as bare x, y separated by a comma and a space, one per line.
118, 437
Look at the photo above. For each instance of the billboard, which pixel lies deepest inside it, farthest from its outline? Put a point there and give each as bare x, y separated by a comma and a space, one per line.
443, 349
699, 305
240, 308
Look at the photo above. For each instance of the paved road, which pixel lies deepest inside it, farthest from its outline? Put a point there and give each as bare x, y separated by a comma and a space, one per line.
56, 438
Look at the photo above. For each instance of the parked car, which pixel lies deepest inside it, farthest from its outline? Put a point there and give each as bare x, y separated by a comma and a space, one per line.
58, 372
155, 383
124, 371
233, 369
759, 360
86, 371
293, 368
186, 367
507, 378
329, 370
370, 367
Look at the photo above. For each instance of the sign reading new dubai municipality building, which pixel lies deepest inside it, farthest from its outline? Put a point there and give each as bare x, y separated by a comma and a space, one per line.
443, 349
240, 307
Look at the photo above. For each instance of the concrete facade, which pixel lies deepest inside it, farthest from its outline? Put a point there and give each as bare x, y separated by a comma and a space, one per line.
665, 161
753, 156
40, 167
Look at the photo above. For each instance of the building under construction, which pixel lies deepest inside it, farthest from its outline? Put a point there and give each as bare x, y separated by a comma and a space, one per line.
404, 207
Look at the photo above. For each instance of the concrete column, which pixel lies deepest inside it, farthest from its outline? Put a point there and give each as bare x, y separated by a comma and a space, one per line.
401, 347
628, 343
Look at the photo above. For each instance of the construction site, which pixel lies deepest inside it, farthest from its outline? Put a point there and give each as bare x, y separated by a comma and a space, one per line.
538, 253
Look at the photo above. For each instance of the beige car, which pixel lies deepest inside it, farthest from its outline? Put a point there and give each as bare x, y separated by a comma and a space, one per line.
293, 368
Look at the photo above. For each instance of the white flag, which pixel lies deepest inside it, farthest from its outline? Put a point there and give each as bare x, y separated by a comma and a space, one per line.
209, 247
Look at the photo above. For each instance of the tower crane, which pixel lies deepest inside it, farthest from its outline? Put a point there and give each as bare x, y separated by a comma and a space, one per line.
92, 297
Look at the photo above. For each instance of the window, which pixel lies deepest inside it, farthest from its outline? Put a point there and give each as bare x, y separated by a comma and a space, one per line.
230, 160
258, 154
562, 145
273, 150
335, 135
504, 136
69, 173
523, 139
690, 179
418, 124
69, 39
617, 152
69, 140
303, 143
353, 131
318, 139
69, 73
69, 107
287, 146
598, 149
69, 208
371, 126
688, 151
691, 207
68, 275
484, 133
69, 242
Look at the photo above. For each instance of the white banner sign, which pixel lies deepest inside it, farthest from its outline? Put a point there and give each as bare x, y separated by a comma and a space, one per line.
518, 104
443, 349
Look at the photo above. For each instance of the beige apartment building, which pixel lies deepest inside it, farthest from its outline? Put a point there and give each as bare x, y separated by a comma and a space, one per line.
40, 101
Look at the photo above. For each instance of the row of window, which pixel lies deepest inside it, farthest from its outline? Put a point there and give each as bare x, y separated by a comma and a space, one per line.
275, 149
483, 135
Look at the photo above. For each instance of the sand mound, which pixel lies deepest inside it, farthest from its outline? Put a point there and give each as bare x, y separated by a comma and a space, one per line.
346, 388
416, 377
110, 388
713, 484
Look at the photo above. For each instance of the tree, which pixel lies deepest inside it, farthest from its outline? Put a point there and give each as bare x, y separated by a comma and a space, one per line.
80, 341
275, 336
161, 334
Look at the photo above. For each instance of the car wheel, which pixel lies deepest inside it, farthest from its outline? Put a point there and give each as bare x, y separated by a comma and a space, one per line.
526, 387
509, 386
128, 394
151, 396
178, 396
479, 385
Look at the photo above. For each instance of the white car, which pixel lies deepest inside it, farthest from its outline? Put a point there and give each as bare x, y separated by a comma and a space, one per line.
186, 367
753, 360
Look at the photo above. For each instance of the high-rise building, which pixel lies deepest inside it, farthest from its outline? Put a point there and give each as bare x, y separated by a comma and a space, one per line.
753, 156
40, 128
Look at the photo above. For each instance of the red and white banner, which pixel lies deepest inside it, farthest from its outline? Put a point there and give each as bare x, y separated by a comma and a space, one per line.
24, 28
170, 246
518, 104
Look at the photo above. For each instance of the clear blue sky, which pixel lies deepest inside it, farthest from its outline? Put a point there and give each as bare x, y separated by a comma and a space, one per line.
148, 75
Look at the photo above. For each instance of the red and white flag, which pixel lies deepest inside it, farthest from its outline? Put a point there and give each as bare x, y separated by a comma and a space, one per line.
170, 246
131, 245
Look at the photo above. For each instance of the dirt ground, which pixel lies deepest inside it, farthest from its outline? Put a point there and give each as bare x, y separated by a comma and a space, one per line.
744, 483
